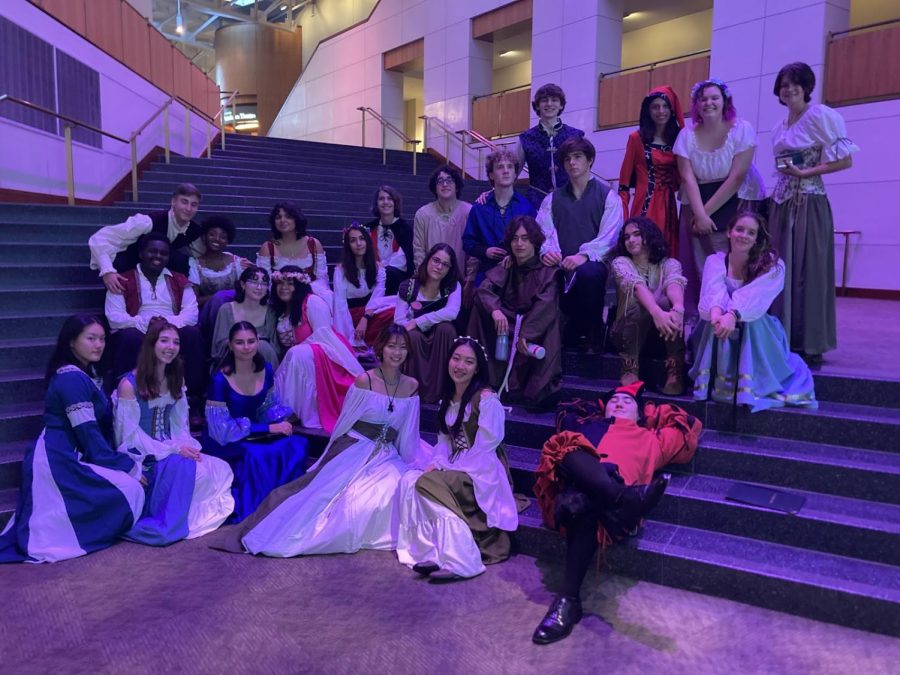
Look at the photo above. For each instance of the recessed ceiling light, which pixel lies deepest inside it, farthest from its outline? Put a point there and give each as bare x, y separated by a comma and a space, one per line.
283, 8
507, 52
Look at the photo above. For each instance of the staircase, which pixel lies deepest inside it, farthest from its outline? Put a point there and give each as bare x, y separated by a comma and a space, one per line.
837, 560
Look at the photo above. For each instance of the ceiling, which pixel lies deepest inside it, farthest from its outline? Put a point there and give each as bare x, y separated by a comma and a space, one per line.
649, 12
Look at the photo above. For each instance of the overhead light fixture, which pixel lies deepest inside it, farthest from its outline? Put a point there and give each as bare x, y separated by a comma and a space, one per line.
633, 15
179, 20
507, 52
283, 8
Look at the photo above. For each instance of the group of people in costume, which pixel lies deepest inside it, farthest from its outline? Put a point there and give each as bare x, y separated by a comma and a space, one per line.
469, 305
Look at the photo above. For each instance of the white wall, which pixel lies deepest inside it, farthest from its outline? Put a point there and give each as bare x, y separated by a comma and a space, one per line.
34, 161
683, 35
510, 77
329, 17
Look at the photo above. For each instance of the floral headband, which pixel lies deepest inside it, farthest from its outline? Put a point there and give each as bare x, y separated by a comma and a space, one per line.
355, 225
471, 339
302, 277
703, 84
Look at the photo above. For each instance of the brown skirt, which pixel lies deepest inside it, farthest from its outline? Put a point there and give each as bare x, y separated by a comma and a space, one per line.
455, 490
427, 360
802, 232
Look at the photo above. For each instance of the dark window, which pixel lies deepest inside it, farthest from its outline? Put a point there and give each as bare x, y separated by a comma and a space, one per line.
26, 72
78, 90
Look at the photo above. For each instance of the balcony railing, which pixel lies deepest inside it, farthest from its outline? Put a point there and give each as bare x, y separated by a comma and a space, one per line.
621, 92
504, 113
852, 60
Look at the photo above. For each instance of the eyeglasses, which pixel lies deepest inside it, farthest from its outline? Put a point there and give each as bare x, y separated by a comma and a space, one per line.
442, 264
446, 180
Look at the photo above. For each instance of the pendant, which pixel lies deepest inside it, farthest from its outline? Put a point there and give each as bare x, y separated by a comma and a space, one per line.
391, 406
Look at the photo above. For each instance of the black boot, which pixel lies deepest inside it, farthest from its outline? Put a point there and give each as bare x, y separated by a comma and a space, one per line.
559, 620
635, 502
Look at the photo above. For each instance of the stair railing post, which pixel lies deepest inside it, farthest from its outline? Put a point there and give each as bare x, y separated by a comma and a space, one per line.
425, 132
187, 132
363, 113
166, 132
208, 141
414, 157
462, 149
447, 146
70, 167
383, 144
480, 161
134, 171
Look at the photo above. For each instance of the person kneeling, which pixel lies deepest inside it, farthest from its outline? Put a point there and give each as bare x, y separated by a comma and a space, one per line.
599, 484
189, 493
456, 513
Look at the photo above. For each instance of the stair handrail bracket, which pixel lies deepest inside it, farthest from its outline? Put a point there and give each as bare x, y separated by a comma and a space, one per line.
385, 127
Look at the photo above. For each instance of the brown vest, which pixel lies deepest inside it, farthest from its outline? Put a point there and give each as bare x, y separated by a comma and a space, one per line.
175, 283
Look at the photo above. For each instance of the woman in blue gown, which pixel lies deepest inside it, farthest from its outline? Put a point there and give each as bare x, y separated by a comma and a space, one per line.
78, 494
189, 493
246, 424
749, 344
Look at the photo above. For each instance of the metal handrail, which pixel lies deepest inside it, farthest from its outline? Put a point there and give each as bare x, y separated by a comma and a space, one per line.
67, 133
521, 87
385, 126
653, 64
877, 24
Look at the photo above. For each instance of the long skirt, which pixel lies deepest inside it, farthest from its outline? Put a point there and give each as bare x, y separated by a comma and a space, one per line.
185, 499
441, 522
427, 360
259, 467
802, 231
768, 374
67, 507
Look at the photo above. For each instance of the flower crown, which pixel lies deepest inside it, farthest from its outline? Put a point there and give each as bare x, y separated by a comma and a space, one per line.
703, 84
354, 225
302, 277
471, 339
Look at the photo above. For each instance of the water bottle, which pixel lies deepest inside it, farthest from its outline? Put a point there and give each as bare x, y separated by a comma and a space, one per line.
535, 351
501, 349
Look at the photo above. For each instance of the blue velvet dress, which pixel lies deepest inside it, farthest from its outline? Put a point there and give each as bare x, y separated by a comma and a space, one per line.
78, 494
237, 431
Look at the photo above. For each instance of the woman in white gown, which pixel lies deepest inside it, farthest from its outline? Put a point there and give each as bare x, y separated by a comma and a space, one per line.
347, 501
456, 510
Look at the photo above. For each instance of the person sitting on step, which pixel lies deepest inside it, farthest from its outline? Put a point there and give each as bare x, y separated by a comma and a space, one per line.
599, 484
153, 291
188, 493
251, 303
361, 308
581, 222
392, 237
457, 508
492, 212
291, 245
114, 248
740, 345
519, 303
650, 301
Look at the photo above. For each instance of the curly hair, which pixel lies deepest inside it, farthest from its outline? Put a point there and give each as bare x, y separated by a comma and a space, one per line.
223, 223
250, 273
451, 171
762, 256
293, 212
650, 233
546, 91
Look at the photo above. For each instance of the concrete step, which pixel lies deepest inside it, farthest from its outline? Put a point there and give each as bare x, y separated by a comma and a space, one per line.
21, 421
25, 274
21, 385
71, 298
32, 324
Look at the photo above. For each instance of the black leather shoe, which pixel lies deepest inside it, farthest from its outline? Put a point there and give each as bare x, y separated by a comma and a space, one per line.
559, 620
444, 577
425, 568
635, 503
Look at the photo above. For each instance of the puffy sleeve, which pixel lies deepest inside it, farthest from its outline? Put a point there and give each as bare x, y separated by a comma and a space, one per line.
221, 425
75, 391
265, 260
179, 423
317, 313
713, 292
108, 241
448, 312
343, 322
401, 310
491, 423
408, 433
754, 299
608, 232
379, 289
224, 322
190, 312
272, 410
626, 274
321, 264
682, 146
545, 220
672, 273
677, 431
829, 130
627, 172
194, 271
744, 136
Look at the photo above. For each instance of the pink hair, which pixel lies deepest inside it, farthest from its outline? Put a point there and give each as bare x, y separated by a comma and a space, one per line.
729, 112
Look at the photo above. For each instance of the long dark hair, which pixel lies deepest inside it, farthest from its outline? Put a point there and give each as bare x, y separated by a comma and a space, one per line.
479, 381
348, 260
64, 356
294, 309
762, 256
448, 283
650, 233
227, 365
647, 126
292, 211
145, 372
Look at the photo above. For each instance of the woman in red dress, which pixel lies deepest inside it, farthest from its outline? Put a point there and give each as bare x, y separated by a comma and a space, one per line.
650, 167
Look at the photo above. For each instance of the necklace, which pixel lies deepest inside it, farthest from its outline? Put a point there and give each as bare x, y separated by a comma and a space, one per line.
395, 385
